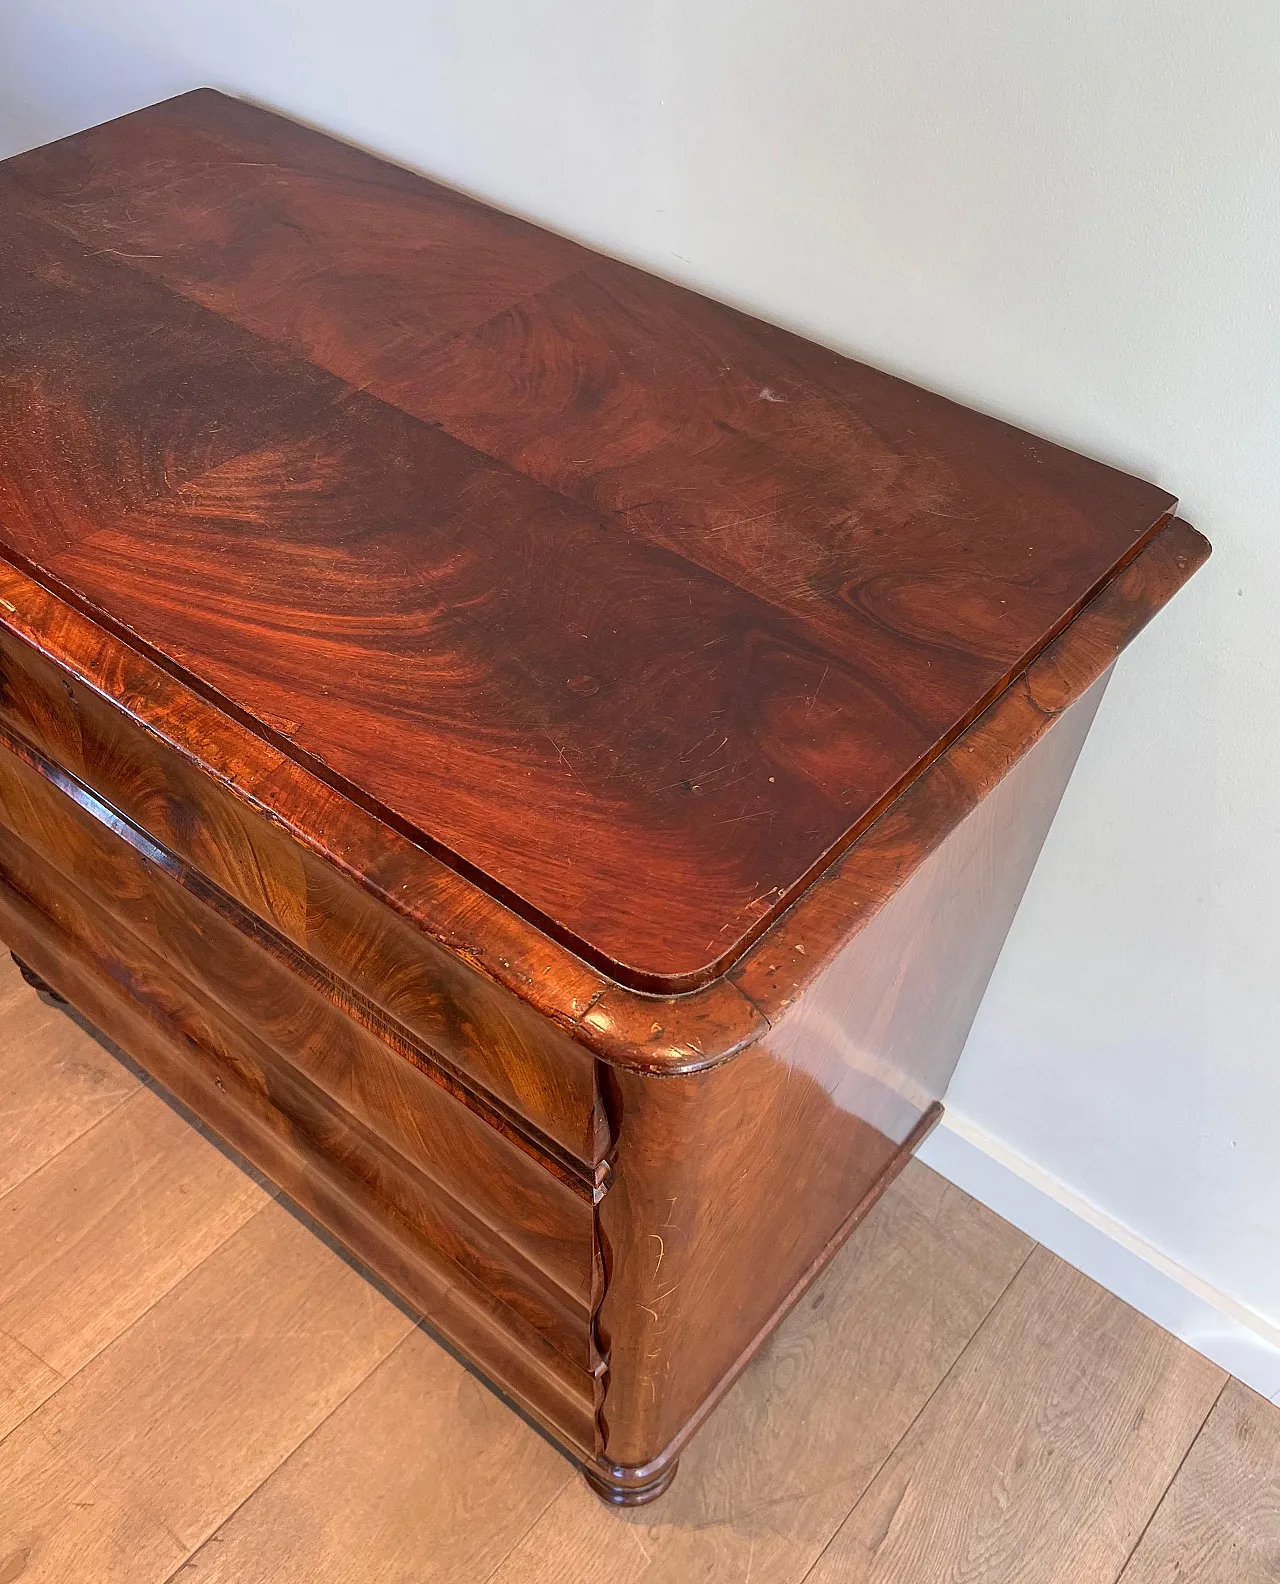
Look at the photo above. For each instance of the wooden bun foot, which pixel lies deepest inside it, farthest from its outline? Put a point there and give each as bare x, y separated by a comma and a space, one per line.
627, 1488
36, 982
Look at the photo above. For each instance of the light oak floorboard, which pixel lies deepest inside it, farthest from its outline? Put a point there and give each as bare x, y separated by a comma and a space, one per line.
1044, 1453
56, 1080
768, 1479
423, 1476
25, 1380
121, 1474
1220, 1521
91, 1240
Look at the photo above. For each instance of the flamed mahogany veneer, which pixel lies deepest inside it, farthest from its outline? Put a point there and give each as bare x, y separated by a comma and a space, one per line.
543, 762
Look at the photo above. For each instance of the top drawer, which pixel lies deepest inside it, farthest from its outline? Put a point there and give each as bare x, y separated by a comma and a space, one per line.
463, 1020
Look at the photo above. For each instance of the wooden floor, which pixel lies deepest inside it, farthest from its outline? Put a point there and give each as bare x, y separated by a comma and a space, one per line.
195, 1386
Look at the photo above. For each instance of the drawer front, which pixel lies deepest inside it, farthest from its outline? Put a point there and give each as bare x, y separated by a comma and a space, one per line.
518, 1224
461, 1019
142, 1009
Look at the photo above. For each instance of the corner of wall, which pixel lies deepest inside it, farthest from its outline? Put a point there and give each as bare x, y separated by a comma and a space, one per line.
1039, 1204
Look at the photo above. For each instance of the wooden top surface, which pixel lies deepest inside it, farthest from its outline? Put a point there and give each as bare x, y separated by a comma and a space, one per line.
633, 608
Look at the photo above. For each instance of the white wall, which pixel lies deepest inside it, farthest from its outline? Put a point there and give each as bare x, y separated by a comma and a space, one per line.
1067, 213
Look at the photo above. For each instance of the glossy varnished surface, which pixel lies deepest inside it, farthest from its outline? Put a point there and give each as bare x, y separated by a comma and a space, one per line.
882, 1026
609, 1244
633, 609
420, 638
394, 1213
375, 961
377, 908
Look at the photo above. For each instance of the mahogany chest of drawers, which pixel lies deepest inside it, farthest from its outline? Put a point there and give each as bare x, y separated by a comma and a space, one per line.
542, 762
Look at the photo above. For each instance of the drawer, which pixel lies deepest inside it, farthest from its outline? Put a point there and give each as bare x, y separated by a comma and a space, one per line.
514, 1219
463, 1021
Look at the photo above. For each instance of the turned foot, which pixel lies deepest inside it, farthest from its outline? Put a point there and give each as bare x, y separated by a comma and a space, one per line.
36, 982
628, 1487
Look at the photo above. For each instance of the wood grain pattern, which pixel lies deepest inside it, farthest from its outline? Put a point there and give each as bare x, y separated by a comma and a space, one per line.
25, 1382
349, 917
1066, 1400
377, 1205
840, 902
521, 506
218, 1382
729, 1184
1219, 1522
457, 692
492, 1207
787, 1454
882, 1026
733, 1146
679, 1177
107, 1227
731, 1188
221, 778
44, 829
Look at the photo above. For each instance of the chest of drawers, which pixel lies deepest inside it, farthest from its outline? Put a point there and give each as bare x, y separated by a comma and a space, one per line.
542, 762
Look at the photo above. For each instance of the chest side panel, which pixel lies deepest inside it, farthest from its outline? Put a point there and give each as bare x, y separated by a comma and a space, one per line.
882, 1026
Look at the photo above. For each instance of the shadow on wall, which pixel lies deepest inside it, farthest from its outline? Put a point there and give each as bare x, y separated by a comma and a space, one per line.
59, 74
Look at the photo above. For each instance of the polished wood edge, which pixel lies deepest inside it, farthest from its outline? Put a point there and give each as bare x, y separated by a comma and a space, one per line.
435, 899
684, 1034
778, 968
305, 768
622, 1026
672, 1035
36, 982
653, 1477
588, 1184
737, 949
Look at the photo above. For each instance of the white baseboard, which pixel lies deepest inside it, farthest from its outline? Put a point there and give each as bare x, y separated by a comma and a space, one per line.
1229, 1333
